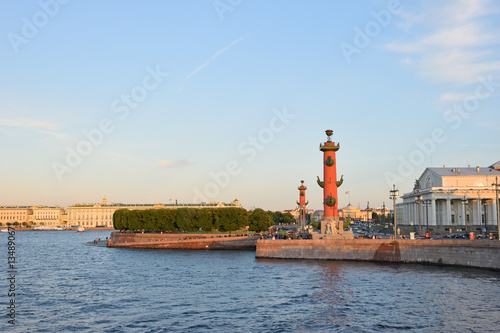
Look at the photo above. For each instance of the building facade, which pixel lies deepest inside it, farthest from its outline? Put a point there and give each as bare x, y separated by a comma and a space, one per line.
355, 213
46, 216
13, 214
455, 198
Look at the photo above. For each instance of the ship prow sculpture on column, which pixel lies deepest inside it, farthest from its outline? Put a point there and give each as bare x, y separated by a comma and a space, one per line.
331, 226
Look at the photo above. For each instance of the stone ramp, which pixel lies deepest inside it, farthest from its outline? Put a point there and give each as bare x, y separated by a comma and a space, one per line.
183, 242
101, 243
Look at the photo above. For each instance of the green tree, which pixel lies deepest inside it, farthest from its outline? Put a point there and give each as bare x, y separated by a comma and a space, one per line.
316, 224
185, 219
259, 220
135, 221
166, 220
204, 219
279, 217
288, 218
120, 219
241, 217
149, 219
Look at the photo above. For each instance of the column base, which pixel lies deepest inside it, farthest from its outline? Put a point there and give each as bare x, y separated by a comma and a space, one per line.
332, 228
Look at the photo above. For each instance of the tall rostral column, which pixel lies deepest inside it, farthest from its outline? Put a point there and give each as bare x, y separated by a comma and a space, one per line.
329, 185
302, 204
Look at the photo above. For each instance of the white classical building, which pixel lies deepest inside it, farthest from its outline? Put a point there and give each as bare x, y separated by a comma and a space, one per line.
452, 198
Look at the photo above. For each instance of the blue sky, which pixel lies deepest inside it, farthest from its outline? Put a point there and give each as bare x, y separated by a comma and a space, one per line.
216, 100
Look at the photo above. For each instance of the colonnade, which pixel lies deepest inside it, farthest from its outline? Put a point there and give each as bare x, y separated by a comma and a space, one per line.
433, 211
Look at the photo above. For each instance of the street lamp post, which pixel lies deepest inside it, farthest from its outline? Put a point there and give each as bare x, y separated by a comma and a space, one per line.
464, 211
419, 201
383, 206
393, 196
427, 204
498, 208
483, 201
367, 217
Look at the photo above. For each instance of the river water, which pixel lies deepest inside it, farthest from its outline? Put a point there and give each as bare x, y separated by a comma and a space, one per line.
64, 286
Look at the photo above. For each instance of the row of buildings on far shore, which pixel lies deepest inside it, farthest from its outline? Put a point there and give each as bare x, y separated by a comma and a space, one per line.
349, 212
85, 215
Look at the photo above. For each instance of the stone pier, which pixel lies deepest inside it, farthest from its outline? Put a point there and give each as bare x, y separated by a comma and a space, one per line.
467, 253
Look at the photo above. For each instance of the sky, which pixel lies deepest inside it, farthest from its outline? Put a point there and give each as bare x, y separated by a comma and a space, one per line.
158, 101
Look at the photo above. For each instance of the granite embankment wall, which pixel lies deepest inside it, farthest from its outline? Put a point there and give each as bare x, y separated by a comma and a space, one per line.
182, 241
468, 253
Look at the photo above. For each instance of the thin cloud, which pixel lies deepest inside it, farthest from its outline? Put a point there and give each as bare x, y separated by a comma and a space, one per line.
179, 164
490, 125
164, 164
28, 123
126, 157
211, 59
455, 46
58, 135
453, 97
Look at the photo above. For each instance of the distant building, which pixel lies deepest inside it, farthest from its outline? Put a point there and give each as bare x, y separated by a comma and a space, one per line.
46, 216
318, 215
355, 213
295, 213
381, 211
452, 197
12, 214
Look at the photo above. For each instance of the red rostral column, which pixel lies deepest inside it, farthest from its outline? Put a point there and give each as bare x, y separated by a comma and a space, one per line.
302, 203
330, 183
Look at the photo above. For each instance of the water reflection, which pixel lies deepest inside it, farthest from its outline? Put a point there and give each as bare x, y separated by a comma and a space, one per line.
332, 295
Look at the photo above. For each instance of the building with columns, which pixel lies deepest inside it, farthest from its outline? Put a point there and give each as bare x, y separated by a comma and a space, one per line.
355, 213
452, 198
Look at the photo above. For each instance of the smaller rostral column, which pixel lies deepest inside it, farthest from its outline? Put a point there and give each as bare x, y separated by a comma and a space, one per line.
330, 226
302, 205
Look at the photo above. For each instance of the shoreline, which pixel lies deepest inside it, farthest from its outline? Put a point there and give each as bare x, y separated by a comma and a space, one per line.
69, 229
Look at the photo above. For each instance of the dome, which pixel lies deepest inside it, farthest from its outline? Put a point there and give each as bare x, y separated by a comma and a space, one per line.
495, 166
350, 208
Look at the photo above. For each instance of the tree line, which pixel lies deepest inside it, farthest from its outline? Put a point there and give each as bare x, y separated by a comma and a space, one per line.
192, 219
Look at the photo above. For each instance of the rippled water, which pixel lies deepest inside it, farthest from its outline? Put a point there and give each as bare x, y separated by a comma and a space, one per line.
64, 286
